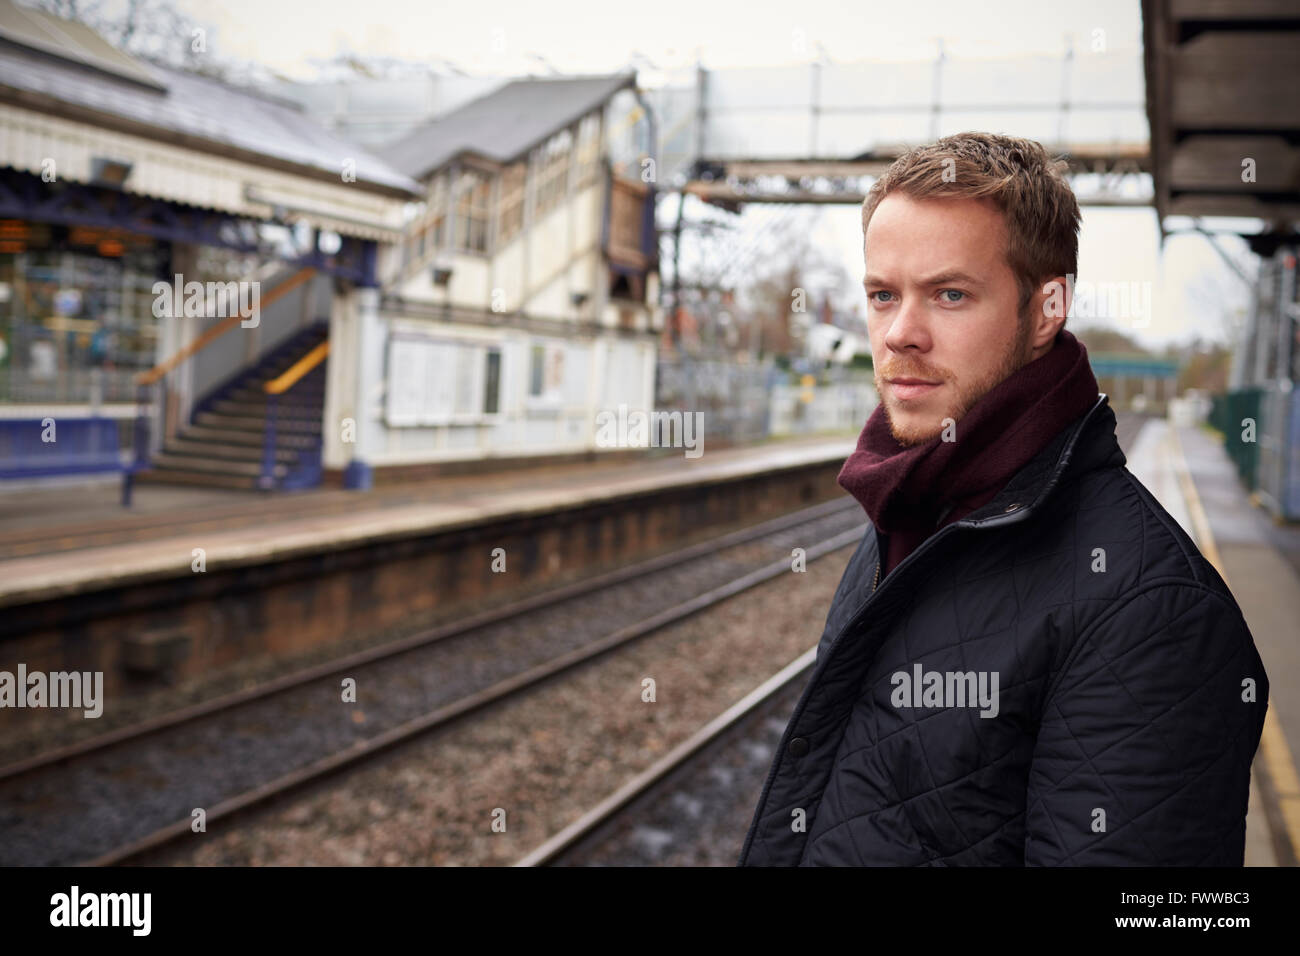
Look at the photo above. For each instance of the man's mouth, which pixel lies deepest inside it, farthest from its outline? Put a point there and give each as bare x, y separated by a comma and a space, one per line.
908, 388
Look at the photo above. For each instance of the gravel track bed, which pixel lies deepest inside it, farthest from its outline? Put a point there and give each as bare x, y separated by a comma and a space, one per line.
690, 819
543, 757
88, 806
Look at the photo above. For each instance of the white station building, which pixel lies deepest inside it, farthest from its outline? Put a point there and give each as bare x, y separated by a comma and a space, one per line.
521, 301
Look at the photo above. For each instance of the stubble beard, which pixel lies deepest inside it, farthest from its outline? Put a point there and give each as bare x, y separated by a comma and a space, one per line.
966, 393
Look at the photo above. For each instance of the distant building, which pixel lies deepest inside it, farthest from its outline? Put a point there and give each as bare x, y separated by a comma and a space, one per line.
522, 300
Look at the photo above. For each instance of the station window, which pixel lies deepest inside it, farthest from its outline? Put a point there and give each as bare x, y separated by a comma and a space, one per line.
537, 370
552, 163
492, 382
438, 382
546, 373
77, 311
588, 150
473, 206
511, 222
423, 239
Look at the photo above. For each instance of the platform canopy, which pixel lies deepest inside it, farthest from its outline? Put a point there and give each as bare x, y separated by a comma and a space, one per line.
75, 108
1223, 103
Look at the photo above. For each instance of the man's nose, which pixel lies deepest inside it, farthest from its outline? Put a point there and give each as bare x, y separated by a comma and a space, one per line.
909, 327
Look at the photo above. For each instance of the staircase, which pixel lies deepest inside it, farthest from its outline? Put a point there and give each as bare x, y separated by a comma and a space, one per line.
224, 444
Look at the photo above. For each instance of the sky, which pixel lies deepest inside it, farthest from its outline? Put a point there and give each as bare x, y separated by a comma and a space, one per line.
599, 35
1189, 285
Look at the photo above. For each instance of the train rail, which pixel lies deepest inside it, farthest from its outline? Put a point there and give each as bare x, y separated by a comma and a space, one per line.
652, 812
118, 797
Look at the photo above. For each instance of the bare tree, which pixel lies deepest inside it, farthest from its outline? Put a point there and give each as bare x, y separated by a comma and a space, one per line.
152, 30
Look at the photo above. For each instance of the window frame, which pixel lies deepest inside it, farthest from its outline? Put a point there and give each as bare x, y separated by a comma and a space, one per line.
552, 165
510, 209
473, 211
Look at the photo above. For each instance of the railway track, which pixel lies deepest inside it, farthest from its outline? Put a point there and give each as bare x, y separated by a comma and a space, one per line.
694, 803
115, 798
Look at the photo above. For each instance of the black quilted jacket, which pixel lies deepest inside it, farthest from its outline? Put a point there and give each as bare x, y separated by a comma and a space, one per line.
1129, 694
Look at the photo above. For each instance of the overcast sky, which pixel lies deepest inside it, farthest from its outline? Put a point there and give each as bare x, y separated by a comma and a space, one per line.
1190, 284
497, 36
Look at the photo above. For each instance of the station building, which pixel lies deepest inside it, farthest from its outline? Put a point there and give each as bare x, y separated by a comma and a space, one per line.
522, 298
480, 291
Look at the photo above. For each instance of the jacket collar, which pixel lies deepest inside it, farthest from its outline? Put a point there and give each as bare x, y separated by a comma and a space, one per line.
1087, 444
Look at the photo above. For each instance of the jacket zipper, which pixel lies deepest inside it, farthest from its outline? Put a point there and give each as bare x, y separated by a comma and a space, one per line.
876, 579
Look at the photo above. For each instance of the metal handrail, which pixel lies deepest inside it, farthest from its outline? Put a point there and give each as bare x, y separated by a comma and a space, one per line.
287, 379
220, 329
145, 381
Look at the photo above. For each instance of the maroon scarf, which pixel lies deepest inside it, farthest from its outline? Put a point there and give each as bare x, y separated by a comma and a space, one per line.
905, 490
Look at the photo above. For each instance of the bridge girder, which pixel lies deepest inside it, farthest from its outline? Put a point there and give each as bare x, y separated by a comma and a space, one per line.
732, 183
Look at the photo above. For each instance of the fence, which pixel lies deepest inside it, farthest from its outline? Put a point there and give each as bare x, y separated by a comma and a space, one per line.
1266, 366
1278, 474
755, 401
1231, 414
84, 386
841, 406
1261, 434
733, 397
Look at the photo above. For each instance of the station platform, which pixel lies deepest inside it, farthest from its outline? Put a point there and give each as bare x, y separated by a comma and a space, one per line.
1188, 471
41, 529
193, 589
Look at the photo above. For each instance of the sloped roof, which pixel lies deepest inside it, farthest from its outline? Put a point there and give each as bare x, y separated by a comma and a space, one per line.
43, 58
505, 123
66, 38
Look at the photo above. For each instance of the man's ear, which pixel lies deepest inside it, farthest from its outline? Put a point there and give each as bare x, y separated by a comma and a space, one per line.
1050, 307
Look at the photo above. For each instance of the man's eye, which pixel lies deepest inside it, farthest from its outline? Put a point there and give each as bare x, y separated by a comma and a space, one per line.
873, 295
956, 292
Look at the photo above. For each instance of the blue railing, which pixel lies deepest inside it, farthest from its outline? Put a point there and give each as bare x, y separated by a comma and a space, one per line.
41, 447
307, 467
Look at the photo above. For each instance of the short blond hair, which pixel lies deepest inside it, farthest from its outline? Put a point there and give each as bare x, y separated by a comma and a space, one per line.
1018, 176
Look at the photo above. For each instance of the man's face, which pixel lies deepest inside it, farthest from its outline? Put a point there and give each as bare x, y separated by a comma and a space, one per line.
941, 310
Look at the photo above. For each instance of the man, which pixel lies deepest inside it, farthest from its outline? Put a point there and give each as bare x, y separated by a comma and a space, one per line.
1027, 661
